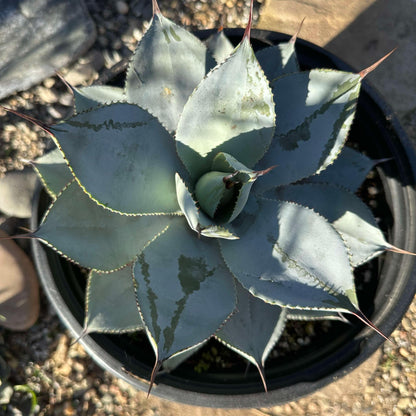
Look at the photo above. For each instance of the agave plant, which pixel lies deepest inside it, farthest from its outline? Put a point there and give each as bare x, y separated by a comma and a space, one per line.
212, 195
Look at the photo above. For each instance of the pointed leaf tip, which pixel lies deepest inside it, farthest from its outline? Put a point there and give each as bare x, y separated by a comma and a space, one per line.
295, 36
30, 119
366, 321
247, 32
221, 27
65, 82
155, 370
400, 251
82, 335
264, 171
18, 236
371, 68
262, 376
156, 9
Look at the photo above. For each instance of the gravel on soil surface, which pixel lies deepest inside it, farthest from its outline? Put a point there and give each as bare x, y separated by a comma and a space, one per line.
45, 358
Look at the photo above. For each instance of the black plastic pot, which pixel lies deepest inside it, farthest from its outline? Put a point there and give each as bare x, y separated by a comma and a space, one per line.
384, 299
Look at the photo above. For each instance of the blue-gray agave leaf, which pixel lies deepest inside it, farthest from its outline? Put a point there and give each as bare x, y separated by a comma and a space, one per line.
176, 360
278, 60
111, 305
93, 236
122, 157
219, 46
53, 172
349, 170
230, 111
315, 111
347, 213
253, 330
300, 259
184, 289
168, 64
95, 95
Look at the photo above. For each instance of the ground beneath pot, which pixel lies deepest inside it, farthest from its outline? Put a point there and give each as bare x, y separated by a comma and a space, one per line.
45, 358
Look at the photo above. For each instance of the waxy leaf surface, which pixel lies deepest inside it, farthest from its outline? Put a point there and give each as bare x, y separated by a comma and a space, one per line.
122, 157
53, 172
93, 236
314, 111
94, 95
347, 213
290, 256
231, 111
253, 330
167, 65
171, 363
111, 304
184, 289
220, 46
278, 60
349, 170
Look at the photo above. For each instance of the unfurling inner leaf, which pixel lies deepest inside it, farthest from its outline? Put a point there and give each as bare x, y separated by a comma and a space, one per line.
215, 191
223, 192
197, 219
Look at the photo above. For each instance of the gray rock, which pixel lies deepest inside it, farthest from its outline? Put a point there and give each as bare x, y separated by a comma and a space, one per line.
37, 37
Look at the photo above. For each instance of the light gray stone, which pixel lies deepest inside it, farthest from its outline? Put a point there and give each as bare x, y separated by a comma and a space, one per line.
16, 192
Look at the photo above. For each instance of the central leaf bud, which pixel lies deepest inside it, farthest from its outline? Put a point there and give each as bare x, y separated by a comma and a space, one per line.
223, 192
216, 192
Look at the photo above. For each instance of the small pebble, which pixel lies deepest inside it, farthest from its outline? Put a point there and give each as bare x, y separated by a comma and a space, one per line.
122, 7
406, 323
404, 352
404, 403
395, 372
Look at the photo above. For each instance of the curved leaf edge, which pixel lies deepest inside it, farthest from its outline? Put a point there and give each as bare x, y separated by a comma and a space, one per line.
153, 343
387, 247
66, 257
56, 141
98, 104
53, 195
130, 66
87, 331
341, 144
215, 68
323, 286
259, 366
